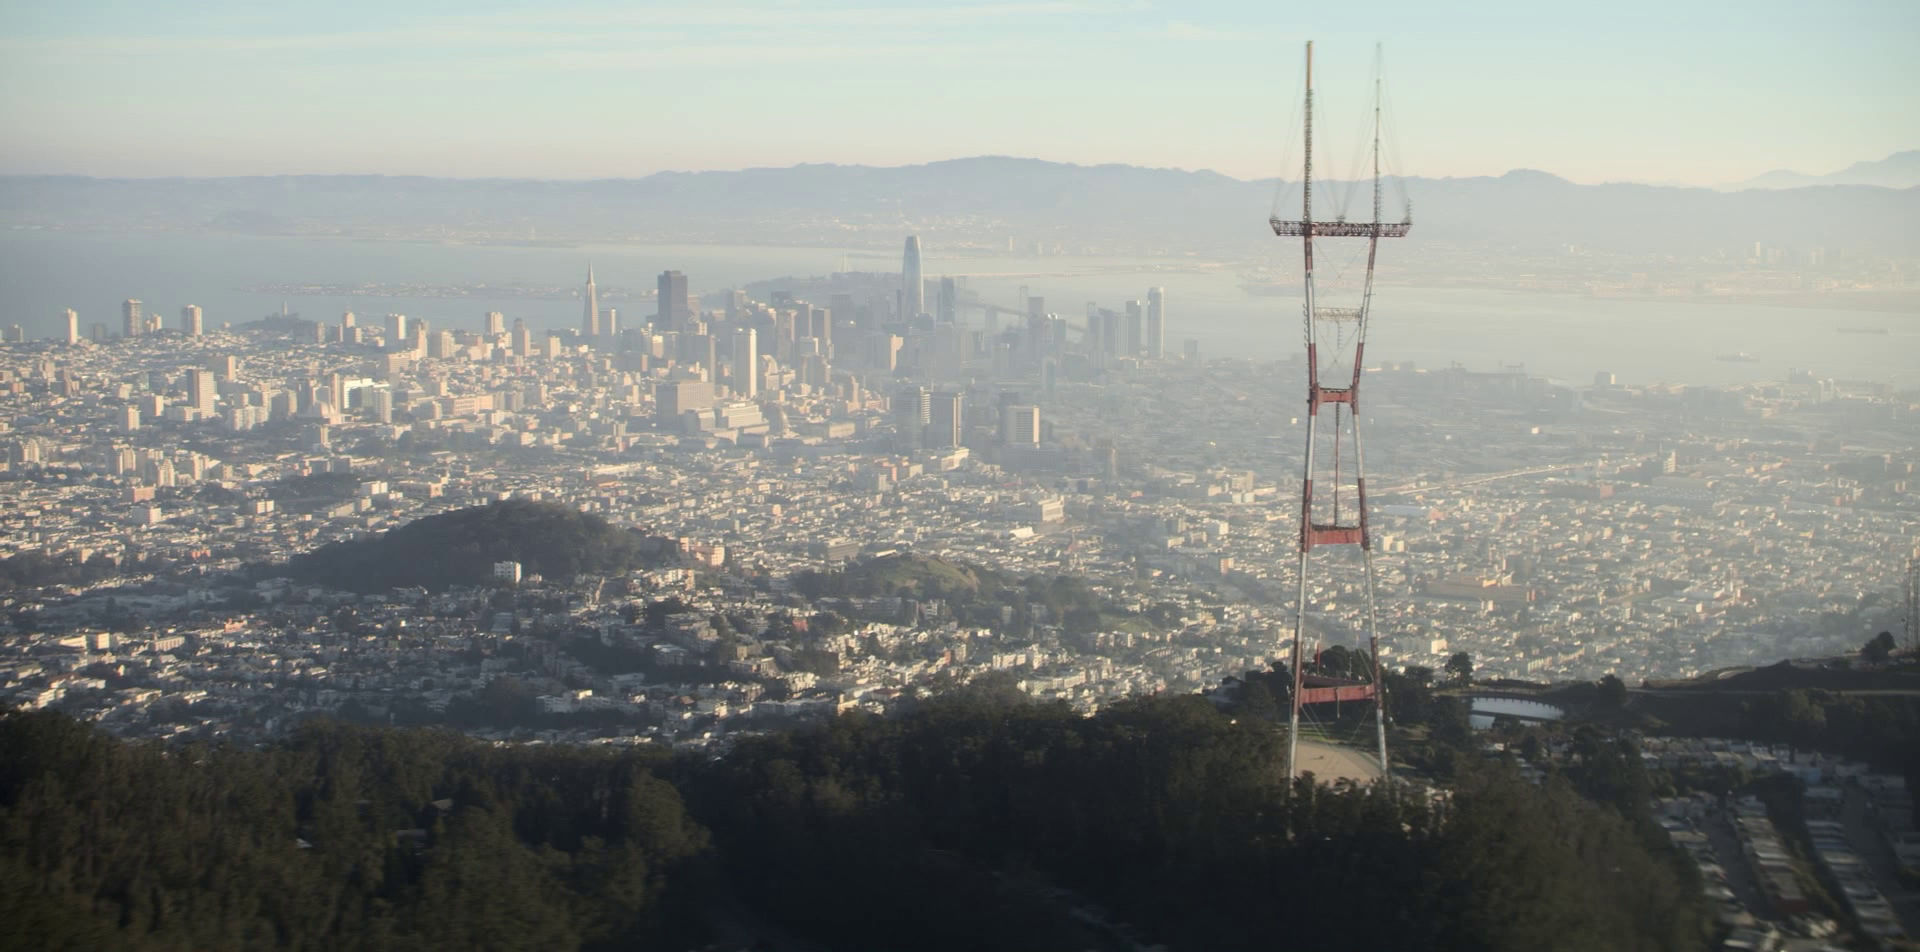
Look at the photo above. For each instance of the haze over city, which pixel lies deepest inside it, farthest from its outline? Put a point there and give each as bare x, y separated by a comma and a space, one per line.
834, 476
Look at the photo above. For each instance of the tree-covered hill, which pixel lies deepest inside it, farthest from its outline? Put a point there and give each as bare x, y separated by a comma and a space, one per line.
339, 839
977, 594
460, 548
905, 574
971, 823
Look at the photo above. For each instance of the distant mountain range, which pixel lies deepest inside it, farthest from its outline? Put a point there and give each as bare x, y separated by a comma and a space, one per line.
1899, 170
982, 201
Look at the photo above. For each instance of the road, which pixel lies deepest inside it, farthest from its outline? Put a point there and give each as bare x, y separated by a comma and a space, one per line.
1494, 477
1718, 825
1863, 834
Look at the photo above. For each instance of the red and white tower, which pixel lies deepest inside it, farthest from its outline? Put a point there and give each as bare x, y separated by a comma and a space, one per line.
1337, 515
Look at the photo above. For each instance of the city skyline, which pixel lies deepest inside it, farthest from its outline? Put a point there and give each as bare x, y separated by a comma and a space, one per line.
363, 89
989, 535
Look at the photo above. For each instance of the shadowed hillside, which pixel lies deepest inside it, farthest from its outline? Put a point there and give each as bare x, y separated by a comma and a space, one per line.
460, 548
971, 824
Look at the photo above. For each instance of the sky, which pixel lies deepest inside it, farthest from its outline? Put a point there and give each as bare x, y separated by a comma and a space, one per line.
1665, 92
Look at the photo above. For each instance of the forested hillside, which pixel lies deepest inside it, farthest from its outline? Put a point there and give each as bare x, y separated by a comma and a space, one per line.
975, 822
460, 548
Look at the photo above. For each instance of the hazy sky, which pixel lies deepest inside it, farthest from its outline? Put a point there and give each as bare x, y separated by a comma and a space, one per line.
1673, 91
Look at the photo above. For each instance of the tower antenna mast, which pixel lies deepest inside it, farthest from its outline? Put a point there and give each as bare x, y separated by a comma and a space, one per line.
1325, 688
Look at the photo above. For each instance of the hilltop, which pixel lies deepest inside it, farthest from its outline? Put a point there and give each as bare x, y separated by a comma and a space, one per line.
460, 548
1899, 170
907, 575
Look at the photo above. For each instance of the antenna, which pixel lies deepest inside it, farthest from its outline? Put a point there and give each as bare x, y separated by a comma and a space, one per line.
1324, 525
1306, 161
1377, 66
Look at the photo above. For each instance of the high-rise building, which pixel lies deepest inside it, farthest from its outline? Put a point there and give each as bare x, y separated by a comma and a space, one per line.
133, 324
522, 339
820, 328
1132, 333
380, 405
948, 305
674, 398
73, 326
913, 285
746, 363
202, 392
397, 332
1020, 425
676, 306
347, 319
590, 321
1156, 342
814, 371
912, 411
191, 321
702, 350
496, 323
883, 352
610, 322
843, 310
945, 420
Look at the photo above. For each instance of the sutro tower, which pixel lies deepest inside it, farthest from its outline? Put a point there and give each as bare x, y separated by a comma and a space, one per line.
1323, 521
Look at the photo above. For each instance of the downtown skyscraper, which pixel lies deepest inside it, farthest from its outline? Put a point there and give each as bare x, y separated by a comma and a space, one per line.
914, 285
1156, 344
746, 363
590, 322
676, 305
